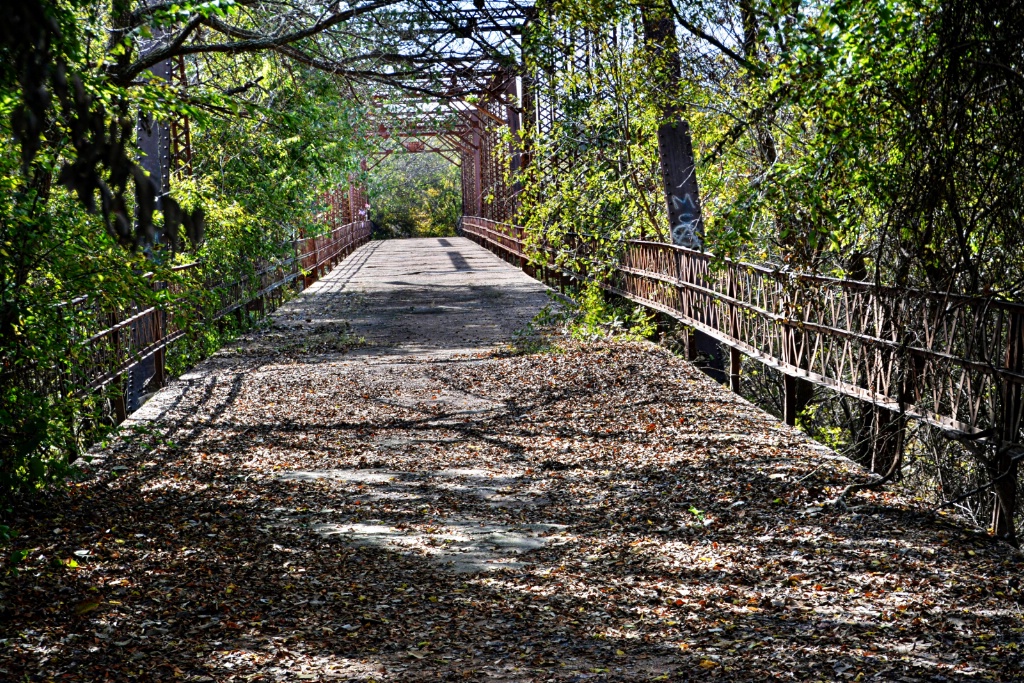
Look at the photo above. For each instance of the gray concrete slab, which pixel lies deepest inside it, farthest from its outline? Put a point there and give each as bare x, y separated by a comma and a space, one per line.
424, 300
417, 303
424, 296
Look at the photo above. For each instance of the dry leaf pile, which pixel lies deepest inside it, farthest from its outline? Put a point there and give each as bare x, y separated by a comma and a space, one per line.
598, 512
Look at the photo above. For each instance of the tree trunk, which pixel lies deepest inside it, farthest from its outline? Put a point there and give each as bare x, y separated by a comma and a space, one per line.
675, 146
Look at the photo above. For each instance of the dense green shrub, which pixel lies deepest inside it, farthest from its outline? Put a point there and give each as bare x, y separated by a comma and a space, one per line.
69, 253
415, 195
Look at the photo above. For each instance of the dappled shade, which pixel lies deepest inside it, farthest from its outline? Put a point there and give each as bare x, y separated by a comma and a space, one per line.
298, 511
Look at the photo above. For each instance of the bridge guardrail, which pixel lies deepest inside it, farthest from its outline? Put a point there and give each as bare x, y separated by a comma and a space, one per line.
133, 336
952, 361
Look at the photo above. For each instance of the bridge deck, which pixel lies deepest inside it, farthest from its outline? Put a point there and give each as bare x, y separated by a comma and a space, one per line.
306, 507
417, 296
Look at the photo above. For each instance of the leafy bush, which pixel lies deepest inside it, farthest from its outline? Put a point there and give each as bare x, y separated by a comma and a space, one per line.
259, 162
415, 195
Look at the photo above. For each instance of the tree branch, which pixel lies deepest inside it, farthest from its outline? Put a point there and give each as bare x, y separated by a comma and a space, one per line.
252, 44
746, 64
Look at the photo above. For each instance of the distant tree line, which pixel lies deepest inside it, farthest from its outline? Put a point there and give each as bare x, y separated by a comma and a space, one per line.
415, 195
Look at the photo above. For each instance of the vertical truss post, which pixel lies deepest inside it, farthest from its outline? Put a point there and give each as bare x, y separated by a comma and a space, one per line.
154, 140
680, 179
180, 127
463, 172
526, 140
511, 186
478, 175
486, 170
528, 100
675, 149
352, 212
528, 103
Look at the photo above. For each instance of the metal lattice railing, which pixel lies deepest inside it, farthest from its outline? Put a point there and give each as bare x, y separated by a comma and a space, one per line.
953, 361
132, 337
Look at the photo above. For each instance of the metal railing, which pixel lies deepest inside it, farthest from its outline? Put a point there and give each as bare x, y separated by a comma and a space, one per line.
953, 361
136, 336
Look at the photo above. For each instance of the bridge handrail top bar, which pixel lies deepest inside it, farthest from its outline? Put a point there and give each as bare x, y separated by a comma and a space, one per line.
780, 272
951, 373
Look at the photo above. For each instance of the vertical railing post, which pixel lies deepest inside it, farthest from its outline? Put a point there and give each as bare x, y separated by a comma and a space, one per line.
735, 366
735, 360
789, 400
120, 400
797, 392
691, 344
1005, 466
160, 357
316, 259
789, 383
159, 318
686, 304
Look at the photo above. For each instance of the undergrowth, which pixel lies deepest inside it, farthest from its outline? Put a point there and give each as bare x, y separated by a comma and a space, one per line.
584, 314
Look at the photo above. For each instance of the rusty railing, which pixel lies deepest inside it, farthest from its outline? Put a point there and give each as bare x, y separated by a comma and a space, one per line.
952, 361
132, 336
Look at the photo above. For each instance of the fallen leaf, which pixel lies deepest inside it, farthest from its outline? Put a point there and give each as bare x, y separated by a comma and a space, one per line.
87, 606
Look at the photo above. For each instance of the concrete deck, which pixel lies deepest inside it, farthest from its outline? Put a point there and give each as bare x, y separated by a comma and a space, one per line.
430, 295
308, 506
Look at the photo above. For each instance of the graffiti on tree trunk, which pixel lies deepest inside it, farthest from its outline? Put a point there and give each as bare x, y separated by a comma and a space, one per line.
686, 226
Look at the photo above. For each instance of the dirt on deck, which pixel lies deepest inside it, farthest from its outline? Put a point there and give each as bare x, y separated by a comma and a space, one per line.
375, 488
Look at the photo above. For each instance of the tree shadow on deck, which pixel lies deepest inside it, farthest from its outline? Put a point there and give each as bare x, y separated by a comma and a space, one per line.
307, 530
